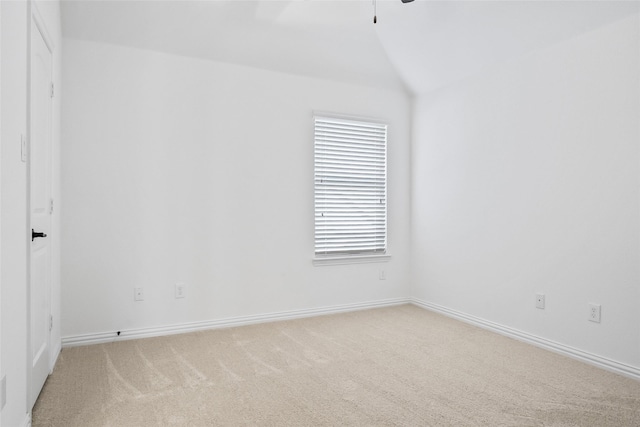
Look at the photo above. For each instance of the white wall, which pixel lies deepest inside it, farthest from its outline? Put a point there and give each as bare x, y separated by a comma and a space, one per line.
14, 211
186, 170
14, 233
525, 180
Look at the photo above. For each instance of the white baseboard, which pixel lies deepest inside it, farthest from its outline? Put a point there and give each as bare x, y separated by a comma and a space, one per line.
27, 421
593, 359
54, 356
97, 338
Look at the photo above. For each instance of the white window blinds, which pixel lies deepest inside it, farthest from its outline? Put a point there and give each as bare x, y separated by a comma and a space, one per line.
350, 187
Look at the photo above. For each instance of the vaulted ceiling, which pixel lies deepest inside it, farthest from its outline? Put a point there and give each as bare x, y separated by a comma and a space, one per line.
419, 46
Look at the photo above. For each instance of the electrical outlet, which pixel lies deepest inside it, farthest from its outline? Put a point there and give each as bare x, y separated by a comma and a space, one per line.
180, 290
540, 301
594, 313
138, 294
382, 275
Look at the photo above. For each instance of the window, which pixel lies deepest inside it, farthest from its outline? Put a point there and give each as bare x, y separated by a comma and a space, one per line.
350, 187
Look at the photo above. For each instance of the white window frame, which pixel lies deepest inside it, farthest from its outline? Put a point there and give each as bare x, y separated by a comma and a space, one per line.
349, 255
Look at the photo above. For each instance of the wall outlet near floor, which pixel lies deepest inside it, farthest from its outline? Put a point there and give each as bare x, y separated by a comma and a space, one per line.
382, 275
594, 312
180, 290
540, 301
138, 294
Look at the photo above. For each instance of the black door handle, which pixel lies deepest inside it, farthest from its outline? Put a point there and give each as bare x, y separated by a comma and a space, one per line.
35, 234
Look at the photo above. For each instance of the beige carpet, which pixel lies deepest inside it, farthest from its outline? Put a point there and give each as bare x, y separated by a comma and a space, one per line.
393, 366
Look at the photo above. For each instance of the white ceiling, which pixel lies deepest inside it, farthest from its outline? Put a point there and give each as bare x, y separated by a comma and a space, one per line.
439, 42
326, 39
421, 45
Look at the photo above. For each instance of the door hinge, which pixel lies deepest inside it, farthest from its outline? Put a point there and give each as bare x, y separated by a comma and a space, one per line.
23, 148
51, 206
52, 89
50, 322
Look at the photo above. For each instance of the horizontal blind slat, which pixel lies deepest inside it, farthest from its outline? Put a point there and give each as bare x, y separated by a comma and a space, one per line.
334, 124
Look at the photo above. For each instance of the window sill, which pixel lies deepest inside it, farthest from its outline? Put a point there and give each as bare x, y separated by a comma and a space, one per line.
351, 259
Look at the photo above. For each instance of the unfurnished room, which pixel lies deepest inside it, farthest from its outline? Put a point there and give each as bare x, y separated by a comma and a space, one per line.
319, 213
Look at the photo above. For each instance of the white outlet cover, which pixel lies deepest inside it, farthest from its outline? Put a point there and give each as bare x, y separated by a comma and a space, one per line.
594, 313
180, 290
539, 300
138, 294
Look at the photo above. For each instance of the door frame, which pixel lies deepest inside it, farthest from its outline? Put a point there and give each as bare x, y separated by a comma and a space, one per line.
2, 378
35, 18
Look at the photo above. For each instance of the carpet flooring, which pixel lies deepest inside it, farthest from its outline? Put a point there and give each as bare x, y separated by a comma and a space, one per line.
395, 366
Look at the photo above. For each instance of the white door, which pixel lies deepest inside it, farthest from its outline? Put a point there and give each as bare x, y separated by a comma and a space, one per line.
40, 209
